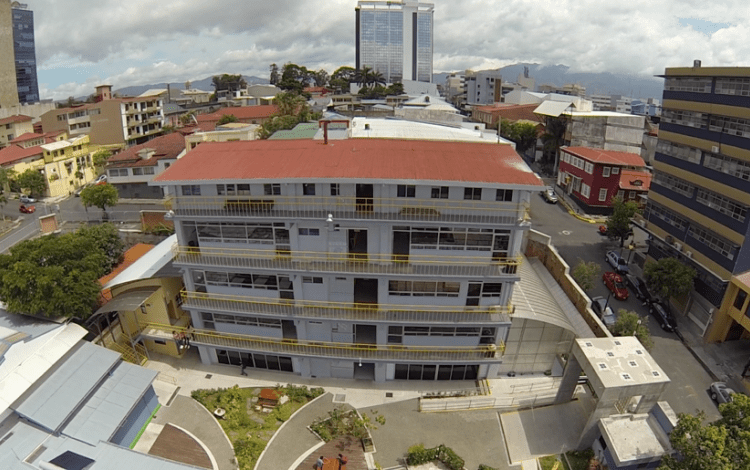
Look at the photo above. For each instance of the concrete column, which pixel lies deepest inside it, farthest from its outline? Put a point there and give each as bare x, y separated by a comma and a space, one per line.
647, 402
569, 381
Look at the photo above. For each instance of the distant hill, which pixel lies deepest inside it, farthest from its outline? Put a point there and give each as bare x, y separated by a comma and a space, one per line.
204, 85
632, 85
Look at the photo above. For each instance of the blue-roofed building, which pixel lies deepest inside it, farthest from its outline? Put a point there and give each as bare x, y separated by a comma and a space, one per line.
66, 403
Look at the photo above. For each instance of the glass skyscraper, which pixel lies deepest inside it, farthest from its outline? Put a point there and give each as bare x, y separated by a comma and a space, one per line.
25, 53
395, 39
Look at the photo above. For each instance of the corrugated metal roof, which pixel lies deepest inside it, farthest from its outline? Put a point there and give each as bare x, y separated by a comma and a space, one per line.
128, 301
611, 157
54, 400
101, 415
554, 108
147, 265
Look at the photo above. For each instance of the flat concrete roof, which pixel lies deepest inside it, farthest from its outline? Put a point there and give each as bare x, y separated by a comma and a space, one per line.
621, 361
633, 439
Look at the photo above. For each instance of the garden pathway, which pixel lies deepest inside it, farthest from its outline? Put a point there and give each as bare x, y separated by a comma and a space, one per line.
347, 445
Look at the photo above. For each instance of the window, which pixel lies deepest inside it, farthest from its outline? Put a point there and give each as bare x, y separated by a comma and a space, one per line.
309, 232
423, 289
243, 189
733, 86
730, 166
615, 170
439, 192
739, 301
120, 172
335, 189
191, 190
714, 242
473, 193
666, 215
312, 280
148, 170
589, 168
504, 195
585, 190
683, 152
273, 189
685, 118
620, 194
720, 203
406, 190
603, 194
308, 189
677, 185
692, 84
137, 171
605, 171
631, 195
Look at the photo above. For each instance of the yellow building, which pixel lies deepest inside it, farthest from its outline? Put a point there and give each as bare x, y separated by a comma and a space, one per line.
731, 322
14, 126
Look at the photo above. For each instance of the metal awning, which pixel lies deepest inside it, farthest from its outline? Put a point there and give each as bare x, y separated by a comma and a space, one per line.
127, 301
554, 108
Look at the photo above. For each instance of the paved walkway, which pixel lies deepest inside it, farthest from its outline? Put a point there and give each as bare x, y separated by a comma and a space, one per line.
349, 447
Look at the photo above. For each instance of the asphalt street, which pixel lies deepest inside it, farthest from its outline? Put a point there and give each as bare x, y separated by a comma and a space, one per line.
578, 240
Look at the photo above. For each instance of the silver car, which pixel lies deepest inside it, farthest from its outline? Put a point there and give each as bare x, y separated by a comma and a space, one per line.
720, 393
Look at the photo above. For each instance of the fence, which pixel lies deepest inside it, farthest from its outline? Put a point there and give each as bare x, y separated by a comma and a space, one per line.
431, 405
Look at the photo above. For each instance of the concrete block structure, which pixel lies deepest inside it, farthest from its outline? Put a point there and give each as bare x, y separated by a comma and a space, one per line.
8, 88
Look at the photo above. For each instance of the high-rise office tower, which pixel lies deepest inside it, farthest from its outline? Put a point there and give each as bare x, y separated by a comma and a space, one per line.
25, 53
8, 91
395, 38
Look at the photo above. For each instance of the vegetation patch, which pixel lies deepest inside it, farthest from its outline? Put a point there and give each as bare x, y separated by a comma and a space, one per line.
340, 422
550, 462
249, 428
578, 460
418, 455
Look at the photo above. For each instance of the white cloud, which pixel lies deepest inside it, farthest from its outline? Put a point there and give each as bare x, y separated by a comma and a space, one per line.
140, 42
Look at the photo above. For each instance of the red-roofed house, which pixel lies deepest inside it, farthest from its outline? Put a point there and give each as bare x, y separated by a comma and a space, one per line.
131, 170
247, 114
594, 177
424, 236
13, 126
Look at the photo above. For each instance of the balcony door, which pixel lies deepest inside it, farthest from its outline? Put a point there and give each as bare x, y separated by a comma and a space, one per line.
364, 198
357, 244
401, 242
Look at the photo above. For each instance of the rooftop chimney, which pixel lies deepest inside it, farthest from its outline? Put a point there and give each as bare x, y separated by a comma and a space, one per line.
145, 154
696, 64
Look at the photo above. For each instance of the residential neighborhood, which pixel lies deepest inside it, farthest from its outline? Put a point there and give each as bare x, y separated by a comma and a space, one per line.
373, 265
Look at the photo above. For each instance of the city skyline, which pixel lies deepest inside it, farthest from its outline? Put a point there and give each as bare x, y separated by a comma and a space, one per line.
187, 41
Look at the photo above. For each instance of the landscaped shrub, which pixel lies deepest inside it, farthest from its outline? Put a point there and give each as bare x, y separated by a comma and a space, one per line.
486, 467
417, 455
300, 394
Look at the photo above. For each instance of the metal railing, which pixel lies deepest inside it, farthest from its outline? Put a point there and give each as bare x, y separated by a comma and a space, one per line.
349, 207
485, 353
344, 310
370, 263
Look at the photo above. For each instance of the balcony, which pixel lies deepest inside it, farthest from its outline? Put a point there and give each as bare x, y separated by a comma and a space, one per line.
355, 263
490, 353
347, 208
345, 311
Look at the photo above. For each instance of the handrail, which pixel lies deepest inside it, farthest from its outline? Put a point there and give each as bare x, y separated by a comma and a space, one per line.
483, 353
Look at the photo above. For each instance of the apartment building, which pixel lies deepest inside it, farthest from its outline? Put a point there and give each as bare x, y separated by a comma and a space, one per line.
380, 259
699, 198
395, 38
110, 121
14, 126
483, 87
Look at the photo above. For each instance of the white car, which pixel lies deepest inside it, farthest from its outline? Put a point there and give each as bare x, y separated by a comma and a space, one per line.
617, 262
603, 311
720, 393
549, 196
27, 199
101, 179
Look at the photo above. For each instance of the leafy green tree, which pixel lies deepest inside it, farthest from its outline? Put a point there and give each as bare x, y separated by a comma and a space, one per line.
628, 323
586, 273
524, 134
100, 195
366, 76
187, 118
341, 78
294, 78
618, 223
275, 77
293, 109
553, 138
228, 83
106, 239
100, 158
395, 89
57, 275
227, 118
320, 77
724, 444
33, 181
668, 278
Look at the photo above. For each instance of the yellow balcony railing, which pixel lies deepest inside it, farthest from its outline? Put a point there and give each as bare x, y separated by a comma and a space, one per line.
344, 310
293, 347
375, 263
350, 207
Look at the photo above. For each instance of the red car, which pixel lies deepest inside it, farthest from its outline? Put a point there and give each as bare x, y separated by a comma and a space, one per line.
613, 281
26, 209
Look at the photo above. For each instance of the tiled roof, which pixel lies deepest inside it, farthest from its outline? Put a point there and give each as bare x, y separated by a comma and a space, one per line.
241, 112
610, 157
165, 146
368, 159
14, 152
14, 119
629, 177
26, 137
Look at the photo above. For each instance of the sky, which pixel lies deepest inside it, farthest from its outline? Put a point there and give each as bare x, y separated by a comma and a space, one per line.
84, 43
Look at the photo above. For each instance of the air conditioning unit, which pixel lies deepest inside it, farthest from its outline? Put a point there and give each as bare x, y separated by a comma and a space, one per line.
677, 246
689, 254
715, 148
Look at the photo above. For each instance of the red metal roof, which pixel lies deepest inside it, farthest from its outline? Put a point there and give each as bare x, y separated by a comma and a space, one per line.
13, 119
366, 159
165, 146
512, 112
27, 136
14, 152
606, 156
629, 180
241, 112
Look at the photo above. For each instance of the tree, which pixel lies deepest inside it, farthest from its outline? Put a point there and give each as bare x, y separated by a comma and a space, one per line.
341, 78
227, 118
57, 275
628, 323
187, 118
524, 134
6, 176
229, 83
106, 239
100, 195
586, 273
723, 444
668, 278
275, 77
294, 78
618, 223
320, 77
293, 109
553, 138
100, 159
33, 181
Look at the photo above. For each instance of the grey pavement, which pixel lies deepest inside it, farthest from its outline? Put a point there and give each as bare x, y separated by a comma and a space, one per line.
293, 440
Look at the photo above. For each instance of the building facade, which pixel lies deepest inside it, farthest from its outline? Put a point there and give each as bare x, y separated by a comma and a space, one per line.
371, 258
25, 53
13, 127
595, 177
698, 204
395, 38
8, 89
483, 87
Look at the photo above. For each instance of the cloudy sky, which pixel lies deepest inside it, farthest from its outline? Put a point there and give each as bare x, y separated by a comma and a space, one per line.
82, 43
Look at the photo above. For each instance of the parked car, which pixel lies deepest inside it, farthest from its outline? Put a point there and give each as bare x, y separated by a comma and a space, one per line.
100, 179
663, 315
27, 199
603, 311
720, 393
549, 196
24, 209
614, 283
638, 286
617, 262
602, 230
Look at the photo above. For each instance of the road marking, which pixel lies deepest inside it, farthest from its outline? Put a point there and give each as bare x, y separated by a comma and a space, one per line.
566, 232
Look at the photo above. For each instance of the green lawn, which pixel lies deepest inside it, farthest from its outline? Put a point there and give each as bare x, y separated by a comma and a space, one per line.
548, 462
248, 429
578, 460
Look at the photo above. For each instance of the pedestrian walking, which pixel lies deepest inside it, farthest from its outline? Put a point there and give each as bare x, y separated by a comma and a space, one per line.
242, 370
342, 462
319, 463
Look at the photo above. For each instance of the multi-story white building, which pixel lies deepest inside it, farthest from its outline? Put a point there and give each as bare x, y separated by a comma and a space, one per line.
369, 258
483, 87
395, 39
